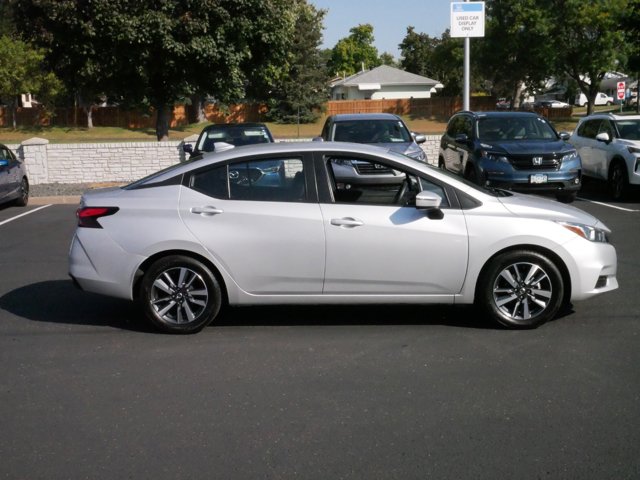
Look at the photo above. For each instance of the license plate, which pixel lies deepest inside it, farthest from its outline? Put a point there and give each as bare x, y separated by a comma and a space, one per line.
538, 178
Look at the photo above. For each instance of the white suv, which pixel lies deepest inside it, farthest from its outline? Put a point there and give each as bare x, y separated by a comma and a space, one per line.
609, 146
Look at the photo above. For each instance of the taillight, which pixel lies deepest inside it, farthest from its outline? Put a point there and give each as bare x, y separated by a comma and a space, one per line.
88, 216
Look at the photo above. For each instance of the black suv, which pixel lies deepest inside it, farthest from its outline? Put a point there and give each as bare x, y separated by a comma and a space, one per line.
221, 135
512, 150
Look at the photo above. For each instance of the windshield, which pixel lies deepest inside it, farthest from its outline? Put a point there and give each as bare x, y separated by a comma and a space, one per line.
515, 128
237, 135
371, 131
629, 129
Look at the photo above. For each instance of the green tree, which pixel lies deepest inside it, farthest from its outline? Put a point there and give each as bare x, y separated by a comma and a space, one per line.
156, 52
300, 95
355, 52
388, 59
589, 40
631, 26
417, 51
517, 50
21, 72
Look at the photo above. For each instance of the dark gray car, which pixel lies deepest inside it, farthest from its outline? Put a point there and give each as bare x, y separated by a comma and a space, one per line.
380, 129
14, 184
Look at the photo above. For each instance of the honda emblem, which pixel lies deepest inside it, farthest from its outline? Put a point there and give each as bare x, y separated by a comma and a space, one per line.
537, 160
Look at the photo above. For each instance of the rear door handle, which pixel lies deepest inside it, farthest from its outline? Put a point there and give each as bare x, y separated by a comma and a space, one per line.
347, 222
207, 210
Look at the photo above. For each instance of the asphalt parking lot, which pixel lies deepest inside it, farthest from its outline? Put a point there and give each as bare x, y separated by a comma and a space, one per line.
88, 390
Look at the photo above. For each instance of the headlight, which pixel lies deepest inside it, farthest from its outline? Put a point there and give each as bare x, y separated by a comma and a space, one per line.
587, 232
572, 155
496, 157
634, 150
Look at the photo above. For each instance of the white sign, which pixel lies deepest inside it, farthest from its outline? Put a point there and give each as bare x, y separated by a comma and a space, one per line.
620, 90
467, 19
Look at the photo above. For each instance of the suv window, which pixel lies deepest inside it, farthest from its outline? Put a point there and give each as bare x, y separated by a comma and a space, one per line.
589, 129
514, 128
272, 180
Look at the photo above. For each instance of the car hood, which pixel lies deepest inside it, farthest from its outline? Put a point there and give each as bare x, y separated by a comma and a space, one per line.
523, 147
408, 148
530, 206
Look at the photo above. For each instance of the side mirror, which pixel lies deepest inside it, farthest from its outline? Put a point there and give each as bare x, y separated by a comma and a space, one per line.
462, 138
419, 138
603, 137
4, 162
564, 136
317, 139
427, 200
187, 148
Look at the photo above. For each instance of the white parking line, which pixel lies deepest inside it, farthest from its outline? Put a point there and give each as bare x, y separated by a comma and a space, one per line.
23, 214
608, 205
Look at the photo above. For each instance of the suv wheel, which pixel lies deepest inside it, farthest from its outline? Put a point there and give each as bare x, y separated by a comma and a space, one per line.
566, 197
618, 182
471, 174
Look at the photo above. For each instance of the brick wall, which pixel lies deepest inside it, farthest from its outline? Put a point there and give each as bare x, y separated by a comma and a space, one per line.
116, 162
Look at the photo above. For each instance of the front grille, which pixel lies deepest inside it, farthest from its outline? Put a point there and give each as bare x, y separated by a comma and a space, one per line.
366, 168
526, 162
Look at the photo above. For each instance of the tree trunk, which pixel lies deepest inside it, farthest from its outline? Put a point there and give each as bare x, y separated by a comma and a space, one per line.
88, 110
162, 122
196, 110
14, 110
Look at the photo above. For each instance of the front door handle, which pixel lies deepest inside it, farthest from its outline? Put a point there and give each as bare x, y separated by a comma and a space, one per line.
347, 222
207, 210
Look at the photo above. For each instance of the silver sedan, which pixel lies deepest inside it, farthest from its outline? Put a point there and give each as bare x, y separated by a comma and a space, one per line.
273, 224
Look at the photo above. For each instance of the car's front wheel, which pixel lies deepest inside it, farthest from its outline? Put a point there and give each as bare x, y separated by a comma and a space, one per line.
566, 197
23, 199
180, 294
618, 181
520, 289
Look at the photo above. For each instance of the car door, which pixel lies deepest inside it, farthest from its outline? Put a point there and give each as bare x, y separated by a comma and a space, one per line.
585, 141
260, 221
601, 152
457, 151
382, 245
6, 172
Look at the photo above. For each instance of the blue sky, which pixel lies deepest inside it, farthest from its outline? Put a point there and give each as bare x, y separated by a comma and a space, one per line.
389, 18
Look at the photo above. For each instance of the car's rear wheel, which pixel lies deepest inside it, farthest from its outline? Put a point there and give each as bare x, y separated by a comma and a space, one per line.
520, 289
23, 199
180, 294
618, 181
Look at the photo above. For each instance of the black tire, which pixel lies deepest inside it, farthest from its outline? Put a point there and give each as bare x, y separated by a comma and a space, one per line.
471, 174
441, 163
566, 197
520, 289
180, 294
618, 181
23, 199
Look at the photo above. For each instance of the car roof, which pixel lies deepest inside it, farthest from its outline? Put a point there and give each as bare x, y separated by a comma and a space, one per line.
212, 158
348, 117
248, 124
610, 116
502, 114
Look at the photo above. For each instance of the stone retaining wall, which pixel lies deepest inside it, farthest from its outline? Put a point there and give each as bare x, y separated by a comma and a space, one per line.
117, 162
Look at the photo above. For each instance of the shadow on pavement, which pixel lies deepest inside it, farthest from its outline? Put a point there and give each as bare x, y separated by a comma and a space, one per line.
59, 301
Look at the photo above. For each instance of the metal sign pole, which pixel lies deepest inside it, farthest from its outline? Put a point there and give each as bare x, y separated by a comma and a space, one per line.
467, 74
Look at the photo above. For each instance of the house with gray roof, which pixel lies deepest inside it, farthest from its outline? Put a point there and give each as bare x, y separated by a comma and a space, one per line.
383, 82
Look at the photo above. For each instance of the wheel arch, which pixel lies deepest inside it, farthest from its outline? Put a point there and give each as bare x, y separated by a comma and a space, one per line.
550, 254
144, 266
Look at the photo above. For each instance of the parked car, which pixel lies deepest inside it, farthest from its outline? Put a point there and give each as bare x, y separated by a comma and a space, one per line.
382, 129
550, 104
198, 235
221, 135
14, 183
503, 104
601, 99
609, 146
512, 150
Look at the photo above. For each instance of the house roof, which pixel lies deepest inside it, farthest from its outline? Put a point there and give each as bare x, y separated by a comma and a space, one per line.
384, 75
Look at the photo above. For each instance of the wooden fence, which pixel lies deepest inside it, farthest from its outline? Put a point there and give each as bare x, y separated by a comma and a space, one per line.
436, 107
